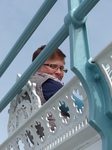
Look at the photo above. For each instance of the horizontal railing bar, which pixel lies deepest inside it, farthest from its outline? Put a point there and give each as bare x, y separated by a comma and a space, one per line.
55, 42
34, 23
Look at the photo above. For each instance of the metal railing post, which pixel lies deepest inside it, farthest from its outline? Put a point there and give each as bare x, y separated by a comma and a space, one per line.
89, 73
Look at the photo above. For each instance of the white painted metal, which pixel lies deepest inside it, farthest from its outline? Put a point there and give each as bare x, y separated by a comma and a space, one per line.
32, 127
104, 61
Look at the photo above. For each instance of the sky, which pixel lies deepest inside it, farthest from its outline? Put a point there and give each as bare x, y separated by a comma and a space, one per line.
15, 15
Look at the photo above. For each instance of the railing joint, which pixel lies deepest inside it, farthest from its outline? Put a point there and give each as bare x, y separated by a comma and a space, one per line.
71, 19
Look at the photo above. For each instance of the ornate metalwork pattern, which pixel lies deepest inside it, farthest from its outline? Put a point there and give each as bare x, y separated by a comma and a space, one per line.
59, 120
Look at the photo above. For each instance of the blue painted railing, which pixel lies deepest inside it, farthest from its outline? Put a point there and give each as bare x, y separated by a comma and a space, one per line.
100, 105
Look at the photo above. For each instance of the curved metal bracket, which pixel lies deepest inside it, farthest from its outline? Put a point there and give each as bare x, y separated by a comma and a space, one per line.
91, 77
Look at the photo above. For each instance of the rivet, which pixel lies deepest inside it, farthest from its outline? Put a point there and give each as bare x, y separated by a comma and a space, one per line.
97, 76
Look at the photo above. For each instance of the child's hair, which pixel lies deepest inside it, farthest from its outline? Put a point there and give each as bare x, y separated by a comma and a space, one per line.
58, 54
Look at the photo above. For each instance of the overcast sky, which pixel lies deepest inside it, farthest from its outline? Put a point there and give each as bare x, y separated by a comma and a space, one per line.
15, 16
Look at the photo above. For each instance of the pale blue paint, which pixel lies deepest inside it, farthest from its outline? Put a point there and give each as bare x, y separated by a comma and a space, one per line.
34, 23
100, 105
